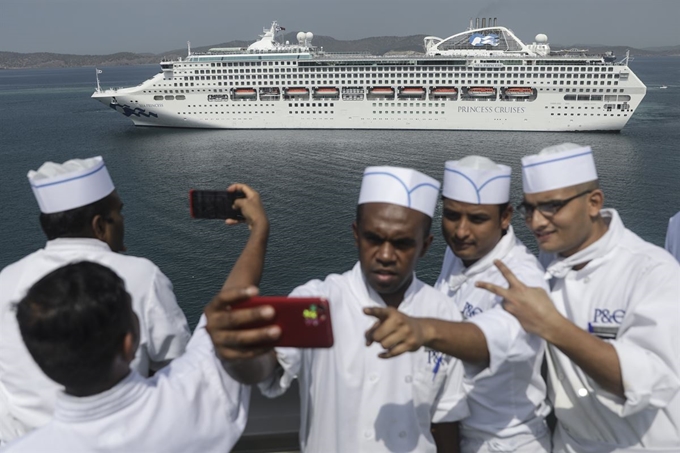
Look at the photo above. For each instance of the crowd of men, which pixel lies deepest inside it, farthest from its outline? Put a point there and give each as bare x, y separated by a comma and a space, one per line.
96, 355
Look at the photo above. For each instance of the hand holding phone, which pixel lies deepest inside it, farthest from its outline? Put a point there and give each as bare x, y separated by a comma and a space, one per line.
305, 322
215, 204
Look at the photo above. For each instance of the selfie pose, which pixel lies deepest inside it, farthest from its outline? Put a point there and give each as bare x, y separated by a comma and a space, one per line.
611, 317
351, 399
79, 325
505, 390
81, 215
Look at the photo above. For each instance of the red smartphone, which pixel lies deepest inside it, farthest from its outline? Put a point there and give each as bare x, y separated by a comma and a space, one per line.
214, 204
305, 322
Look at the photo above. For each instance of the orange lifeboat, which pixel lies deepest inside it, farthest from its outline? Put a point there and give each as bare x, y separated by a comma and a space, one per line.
327, 92
444, 92
412, 92
245, 93
519, 92
481, 92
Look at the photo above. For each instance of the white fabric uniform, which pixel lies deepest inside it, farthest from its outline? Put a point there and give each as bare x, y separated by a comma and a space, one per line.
192, 405
506, 399
673, 236
26, 395
629, 295
354, 401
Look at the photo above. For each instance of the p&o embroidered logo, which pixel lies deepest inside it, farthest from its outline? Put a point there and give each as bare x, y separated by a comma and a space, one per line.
605, 323
470, 310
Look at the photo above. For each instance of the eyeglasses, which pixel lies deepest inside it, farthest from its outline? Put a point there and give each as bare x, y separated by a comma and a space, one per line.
547, 209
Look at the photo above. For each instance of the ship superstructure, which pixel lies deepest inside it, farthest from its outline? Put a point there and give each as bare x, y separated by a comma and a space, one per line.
485, 78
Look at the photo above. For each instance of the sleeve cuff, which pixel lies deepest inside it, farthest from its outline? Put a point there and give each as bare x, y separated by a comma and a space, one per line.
290, 361
647, 382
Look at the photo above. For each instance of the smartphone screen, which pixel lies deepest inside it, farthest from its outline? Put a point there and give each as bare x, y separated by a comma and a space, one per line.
214, 204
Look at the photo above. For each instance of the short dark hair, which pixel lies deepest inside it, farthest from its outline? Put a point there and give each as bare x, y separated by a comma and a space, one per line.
75, 222
74, 321
427, 223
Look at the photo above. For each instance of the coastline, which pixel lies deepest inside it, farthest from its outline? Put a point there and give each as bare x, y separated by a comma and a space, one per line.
376, 45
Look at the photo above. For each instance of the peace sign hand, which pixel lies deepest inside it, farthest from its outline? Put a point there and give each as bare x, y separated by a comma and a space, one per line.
532, 307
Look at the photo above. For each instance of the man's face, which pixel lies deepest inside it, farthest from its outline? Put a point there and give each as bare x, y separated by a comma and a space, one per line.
565, 231
473, 230
390, 240
114, 226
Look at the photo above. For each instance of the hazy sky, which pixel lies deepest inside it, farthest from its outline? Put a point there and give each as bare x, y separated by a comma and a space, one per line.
108, 26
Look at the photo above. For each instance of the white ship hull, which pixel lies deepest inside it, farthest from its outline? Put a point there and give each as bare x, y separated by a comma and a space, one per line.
569, 93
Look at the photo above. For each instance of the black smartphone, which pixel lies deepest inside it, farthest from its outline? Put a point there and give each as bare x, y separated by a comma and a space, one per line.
214, 204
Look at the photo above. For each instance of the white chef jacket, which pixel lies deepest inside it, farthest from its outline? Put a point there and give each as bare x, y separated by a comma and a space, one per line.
354, 401
507, 398
673, 236
27, 396
192, 405
629, 295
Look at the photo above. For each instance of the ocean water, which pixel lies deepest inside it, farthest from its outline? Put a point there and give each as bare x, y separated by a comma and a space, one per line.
308, 180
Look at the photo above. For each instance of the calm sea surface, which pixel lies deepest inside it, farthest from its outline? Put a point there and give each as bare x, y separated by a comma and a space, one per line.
309, 180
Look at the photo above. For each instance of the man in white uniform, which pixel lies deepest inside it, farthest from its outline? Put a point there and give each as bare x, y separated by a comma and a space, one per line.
611, 318
78, 324
673, 236
81, 217
506, 392
351, 400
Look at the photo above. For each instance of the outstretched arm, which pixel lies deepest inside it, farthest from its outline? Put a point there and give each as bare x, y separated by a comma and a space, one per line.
537, 314
250, 264
246, 354
399, 333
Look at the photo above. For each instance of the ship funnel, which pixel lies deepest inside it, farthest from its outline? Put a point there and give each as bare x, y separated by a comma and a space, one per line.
495, 20
484, 22
489, 22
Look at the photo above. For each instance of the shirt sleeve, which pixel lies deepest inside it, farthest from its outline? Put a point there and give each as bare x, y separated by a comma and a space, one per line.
166, 324
506, 339
648, 343
199, 377
451, 405
291, 360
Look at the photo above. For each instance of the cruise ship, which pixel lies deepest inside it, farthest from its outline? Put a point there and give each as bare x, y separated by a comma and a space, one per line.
484, 78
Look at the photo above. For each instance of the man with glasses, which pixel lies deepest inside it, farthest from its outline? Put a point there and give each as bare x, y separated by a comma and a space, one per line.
611, 318
506, 392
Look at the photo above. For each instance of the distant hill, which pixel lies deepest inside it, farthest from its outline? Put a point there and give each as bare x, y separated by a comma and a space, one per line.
378, 46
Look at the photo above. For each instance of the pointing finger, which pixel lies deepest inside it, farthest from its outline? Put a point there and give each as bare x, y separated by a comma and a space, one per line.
379, 312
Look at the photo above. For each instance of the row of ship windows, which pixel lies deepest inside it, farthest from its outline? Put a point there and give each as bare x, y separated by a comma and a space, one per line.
567, 90
397, 82
357, 76
568, 97
377, 112
411, 73
592, 114
527, 68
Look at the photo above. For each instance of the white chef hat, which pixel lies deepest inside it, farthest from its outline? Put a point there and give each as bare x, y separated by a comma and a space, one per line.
558, 166
400, 186
476, 180
73, 184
